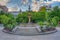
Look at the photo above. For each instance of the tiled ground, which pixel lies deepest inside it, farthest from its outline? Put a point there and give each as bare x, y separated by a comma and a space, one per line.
54, 36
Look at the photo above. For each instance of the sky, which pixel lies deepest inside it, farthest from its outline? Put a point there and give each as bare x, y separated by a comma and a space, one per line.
16, 3
19, 4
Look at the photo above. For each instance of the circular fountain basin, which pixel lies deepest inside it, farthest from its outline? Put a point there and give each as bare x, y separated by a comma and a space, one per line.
29, 29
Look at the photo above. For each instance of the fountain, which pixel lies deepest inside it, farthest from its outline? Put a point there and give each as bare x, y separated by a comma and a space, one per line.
29, 18
29, 28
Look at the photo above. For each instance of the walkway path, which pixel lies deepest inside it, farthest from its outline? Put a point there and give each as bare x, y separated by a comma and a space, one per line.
54, 36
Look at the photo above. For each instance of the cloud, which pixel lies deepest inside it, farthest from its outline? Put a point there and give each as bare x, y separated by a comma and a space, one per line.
3, 2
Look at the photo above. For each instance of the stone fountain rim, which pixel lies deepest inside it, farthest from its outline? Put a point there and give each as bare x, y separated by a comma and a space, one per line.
40, 33
43, 33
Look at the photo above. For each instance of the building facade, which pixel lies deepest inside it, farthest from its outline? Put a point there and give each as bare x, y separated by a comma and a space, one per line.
3, 8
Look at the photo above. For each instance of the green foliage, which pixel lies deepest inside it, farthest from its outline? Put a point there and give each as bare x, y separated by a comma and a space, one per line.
8, 21
55, 12
35, 17
41, 23
47, 23
10, 15
38, 16
22, 18
54, 21
47, 16
4, 19
42, 9
10, 25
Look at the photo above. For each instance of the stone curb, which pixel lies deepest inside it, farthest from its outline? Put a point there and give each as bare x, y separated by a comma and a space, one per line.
41, 33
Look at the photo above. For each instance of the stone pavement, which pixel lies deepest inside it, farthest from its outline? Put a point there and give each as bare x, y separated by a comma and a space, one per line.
54, 36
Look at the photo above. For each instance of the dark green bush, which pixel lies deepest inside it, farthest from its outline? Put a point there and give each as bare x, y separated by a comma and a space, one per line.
38, 16
8, 22
10, 25
10, 15
4, 19
41, 23
55, 21
55, 12
47, 16
35, 17
22, 18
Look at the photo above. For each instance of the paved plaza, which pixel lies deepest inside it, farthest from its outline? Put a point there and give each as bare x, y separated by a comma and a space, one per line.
6, 36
